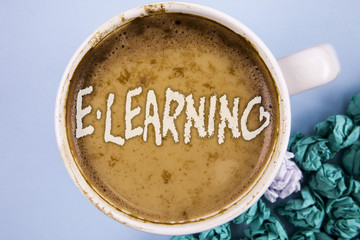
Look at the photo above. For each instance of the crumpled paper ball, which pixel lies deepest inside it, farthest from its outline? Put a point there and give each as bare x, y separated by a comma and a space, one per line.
306, 212
354, 108
351, 159
344, 207
340, 130
287, 180
255, 215
344, 217
328, 181
222, 232
271, 229
310, 152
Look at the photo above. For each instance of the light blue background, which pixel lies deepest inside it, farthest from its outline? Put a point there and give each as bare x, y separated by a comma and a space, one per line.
38, 200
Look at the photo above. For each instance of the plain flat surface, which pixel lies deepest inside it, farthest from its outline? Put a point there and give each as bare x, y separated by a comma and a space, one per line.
38, 199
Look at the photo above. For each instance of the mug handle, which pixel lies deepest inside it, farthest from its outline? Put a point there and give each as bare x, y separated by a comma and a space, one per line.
310, 68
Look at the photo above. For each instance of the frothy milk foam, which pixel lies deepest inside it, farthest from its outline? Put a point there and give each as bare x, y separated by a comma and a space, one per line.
171, 117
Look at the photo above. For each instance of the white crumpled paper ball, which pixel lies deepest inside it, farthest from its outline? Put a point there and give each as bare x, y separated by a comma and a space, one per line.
286, 181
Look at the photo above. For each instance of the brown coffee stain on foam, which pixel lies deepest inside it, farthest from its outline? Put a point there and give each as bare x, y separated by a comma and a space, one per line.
154, 8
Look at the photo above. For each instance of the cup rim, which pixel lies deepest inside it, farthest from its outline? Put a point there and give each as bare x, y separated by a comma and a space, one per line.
258, 187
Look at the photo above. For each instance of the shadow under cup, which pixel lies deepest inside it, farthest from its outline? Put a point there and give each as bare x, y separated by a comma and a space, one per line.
104, 114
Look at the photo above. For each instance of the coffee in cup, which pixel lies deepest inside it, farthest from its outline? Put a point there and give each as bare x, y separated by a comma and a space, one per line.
171, 117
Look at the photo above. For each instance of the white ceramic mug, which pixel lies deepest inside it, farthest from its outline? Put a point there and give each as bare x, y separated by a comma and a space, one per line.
303, 70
